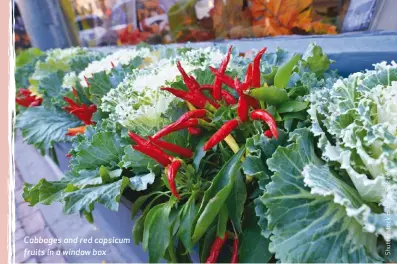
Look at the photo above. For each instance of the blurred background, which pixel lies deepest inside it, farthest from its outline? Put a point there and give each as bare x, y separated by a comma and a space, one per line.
93, 23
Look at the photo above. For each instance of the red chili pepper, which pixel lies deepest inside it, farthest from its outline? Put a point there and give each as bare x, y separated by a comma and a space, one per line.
76, 130
229, 98
194, 131
221, 134
268, 133
171, 174
185, 77
81, 111
223, 77
248, 77
197, 101
216, 93
75, 92
216, 249
194, 87
25, 98
263, 115
256, 75
137, 139
112, 64
36, 102
234, 258
185, 152
243, 103
198, 113
86, 80
69, 155
158, 155
252, 102
242, 108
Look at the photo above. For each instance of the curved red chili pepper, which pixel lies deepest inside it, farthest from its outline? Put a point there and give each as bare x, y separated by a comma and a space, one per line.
263, 115
185, 77
216, 92
185, 152
194, 131
256, 75
171, 174
159, 156
216, 249
197, 113
221, 134
234, 258
197, 101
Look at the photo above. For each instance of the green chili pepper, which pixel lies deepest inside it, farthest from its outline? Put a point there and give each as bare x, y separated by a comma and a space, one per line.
284, 72
270, 95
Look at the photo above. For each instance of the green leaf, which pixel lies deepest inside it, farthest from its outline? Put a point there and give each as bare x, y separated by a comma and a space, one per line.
84, 199
284, 72
317, 61
236, 200
308, 227
254, 248
222, 222
27, 56
140, 182
292, 106
104, 148
157, 228
42, 127
138, 203
138, 229
259, 149
44, 192
215, 196
199, 153
187, 219
83, 178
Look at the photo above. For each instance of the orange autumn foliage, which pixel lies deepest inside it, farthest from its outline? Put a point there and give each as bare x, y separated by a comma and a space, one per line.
281, 17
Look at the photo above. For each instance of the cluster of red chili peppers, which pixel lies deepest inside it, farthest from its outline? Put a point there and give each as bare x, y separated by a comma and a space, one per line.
81, 111
26, 98
197, 119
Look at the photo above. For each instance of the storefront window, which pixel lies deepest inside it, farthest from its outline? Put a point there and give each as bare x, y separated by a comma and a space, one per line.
130, 22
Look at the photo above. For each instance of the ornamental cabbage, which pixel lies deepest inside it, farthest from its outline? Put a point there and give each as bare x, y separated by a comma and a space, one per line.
138, 103
357, 122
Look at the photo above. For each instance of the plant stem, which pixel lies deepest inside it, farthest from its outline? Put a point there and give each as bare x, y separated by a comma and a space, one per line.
232, 143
